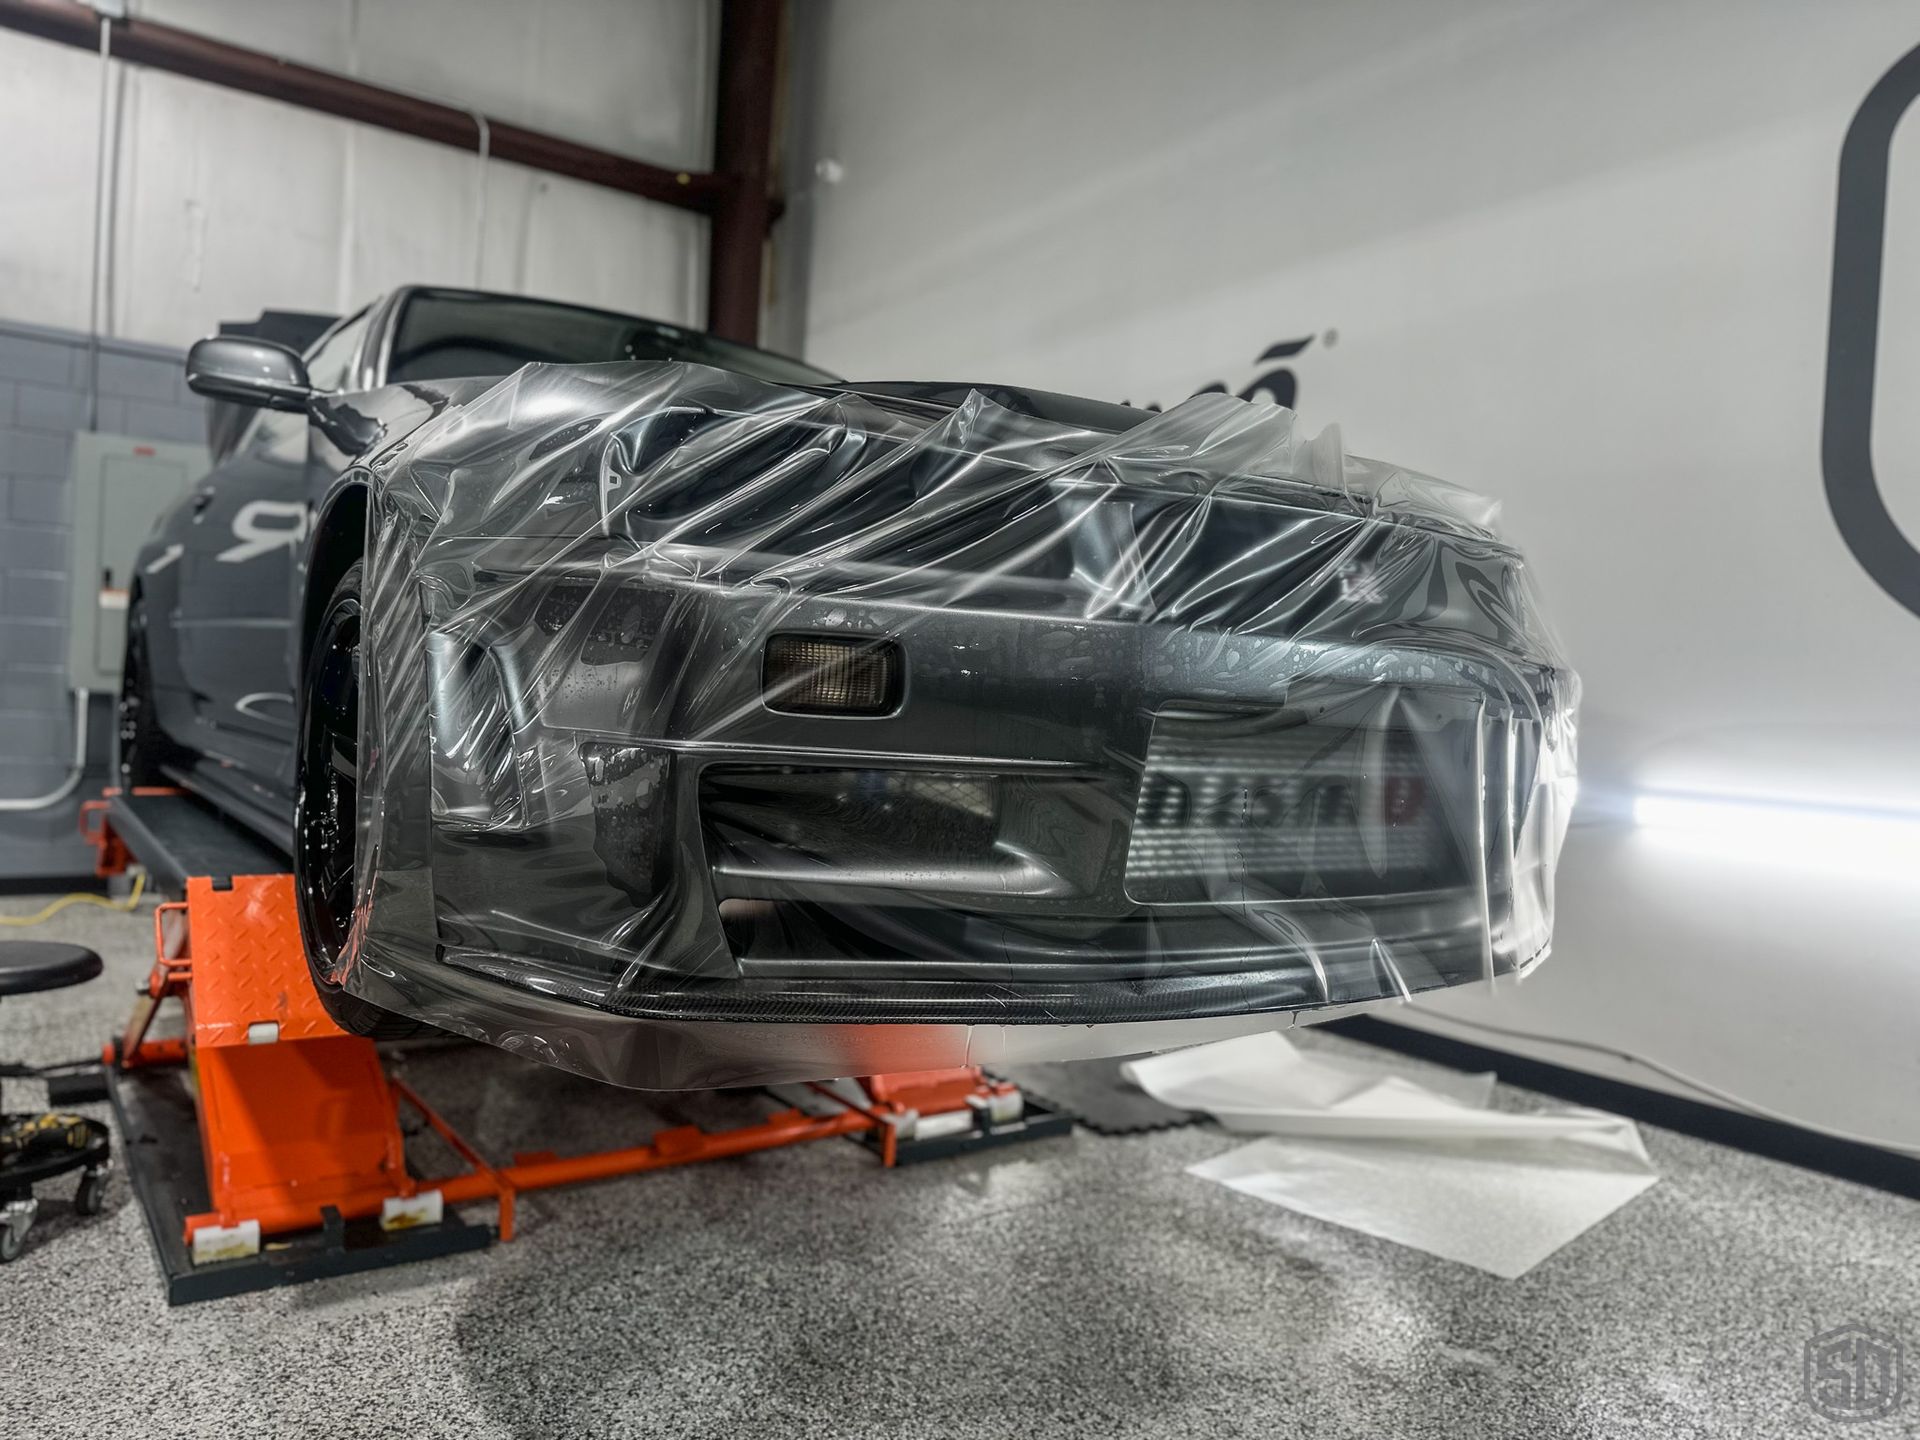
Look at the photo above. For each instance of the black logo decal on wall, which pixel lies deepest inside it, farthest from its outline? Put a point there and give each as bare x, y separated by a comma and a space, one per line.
1853, 337
1277, 385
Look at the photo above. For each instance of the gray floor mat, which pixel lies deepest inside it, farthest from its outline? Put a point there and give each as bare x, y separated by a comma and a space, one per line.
1096, 1094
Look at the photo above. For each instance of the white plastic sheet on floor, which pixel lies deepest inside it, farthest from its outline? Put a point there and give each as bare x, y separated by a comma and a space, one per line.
1424, 1162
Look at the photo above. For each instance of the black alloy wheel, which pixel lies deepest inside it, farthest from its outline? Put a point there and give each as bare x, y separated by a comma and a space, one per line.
326, 819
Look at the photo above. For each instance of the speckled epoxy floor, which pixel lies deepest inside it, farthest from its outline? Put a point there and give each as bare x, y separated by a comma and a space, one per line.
1078, 1287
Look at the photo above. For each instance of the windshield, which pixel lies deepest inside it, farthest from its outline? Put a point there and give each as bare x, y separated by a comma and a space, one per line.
458, 335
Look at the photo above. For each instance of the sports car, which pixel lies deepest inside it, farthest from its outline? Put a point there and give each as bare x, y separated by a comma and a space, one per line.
676, 713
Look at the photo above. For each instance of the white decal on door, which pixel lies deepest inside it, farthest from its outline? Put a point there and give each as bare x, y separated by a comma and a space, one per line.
255, 703
263, 526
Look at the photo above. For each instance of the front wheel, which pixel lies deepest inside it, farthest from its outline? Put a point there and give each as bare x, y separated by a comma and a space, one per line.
326, 816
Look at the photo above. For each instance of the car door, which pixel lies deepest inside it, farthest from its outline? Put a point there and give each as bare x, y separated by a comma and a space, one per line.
243, 529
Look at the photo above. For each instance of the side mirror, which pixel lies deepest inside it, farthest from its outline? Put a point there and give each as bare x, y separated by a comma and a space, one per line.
248, 372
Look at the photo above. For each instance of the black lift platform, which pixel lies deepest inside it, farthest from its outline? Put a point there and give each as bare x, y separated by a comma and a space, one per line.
174, 836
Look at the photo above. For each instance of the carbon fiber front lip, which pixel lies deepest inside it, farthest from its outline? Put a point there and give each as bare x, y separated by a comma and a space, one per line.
1358, 973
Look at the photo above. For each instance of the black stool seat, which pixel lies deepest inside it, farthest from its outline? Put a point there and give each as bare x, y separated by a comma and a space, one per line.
30, 965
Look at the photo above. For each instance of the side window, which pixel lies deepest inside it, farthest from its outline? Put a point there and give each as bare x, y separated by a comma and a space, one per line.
276, 435
329, 361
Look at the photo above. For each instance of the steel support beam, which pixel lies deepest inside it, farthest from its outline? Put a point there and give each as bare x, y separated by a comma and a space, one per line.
199, 57
750, 38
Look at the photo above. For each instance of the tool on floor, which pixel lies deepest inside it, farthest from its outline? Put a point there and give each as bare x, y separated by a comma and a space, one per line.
34, 1148
285, 1160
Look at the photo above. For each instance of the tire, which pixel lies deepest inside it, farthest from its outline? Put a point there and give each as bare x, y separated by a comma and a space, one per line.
90, 1198
141, 746
326, 811
12, 1242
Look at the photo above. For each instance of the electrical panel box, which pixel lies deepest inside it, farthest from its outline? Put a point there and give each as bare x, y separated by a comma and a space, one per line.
120, 487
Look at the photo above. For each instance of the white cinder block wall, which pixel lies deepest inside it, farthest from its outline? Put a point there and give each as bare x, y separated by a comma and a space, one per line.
1573, 254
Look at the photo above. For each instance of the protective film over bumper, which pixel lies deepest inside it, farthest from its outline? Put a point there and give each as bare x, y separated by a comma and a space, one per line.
720, 732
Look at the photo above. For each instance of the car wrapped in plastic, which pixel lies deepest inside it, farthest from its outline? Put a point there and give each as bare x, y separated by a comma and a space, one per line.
712, 730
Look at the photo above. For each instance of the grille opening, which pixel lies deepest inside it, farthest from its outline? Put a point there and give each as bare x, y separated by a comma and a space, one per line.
1344, 798
882, 819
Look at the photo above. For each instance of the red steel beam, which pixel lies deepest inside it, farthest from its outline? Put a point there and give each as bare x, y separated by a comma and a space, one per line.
750, 33
181, 52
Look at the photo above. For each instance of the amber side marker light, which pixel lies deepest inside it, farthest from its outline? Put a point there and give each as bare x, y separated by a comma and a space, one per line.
831, 675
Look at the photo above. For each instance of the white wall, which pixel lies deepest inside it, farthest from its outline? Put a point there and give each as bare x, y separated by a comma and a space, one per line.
1575, 255
227, 203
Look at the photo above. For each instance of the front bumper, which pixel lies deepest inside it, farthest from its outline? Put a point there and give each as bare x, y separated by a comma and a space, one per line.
1064, 821
1200, 723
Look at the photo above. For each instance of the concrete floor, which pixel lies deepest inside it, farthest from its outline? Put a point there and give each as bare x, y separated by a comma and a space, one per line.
1076, 1287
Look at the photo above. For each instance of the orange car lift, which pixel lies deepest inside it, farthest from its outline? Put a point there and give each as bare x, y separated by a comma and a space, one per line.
299, 1168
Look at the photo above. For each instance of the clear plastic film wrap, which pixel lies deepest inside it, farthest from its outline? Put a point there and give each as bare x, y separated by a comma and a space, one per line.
720, 732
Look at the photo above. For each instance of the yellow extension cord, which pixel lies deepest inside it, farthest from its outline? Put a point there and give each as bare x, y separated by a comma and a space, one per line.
81, 897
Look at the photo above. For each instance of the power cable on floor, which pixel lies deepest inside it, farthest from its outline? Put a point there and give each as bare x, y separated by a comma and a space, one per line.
1760, 1112
82, 897
29, 1072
